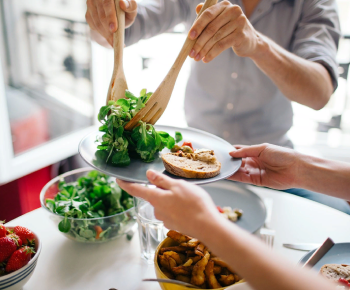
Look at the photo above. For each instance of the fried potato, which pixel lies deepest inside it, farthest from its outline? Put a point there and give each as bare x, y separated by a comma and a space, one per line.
178, 237
183, 278
191, 243
174, 249
217, 269
198, 276
167, 273
182, 270
167, 262
173, 255
183, 257
227, 280
211, 279
221, 263
190, 253
200, 250
188, 262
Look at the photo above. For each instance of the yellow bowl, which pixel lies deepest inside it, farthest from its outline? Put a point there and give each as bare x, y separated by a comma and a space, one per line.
160, 275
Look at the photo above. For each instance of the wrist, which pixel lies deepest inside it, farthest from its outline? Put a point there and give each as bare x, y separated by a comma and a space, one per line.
262, 48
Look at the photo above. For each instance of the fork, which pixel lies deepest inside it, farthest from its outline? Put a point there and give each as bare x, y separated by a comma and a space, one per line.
266, 233
158, 102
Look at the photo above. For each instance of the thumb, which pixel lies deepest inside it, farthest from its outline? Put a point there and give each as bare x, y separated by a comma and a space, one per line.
129, 6
199, 7
248, 151
160, 180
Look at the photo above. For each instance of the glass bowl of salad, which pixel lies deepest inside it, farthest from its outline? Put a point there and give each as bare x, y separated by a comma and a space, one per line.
88, 206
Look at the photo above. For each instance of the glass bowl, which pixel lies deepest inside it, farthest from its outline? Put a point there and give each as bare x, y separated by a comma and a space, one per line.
83, 229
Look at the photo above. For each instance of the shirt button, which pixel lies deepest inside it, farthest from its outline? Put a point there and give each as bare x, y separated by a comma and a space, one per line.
229, 106
226, 134
234, 75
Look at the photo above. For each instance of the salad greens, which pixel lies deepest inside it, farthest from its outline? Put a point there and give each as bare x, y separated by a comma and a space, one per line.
117, 145
92, 196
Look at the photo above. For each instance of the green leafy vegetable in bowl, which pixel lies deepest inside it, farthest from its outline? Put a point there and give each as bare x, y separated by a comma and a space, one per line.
117, 145
93, 208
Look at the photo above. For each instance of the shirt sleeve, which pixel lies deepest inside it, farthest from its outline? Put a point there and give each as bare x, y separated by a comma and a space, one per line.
157, 16
317, 35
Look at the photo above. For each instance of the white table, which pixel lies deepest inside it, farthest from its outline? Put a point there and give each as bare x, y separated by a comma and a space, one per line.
69, 265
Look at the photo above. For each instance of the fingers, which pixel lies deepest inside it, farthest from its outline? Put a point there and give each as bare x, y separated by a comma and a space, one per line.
199, 7
138, 190
108, 15
160, 180
218, 48
207, 16
242, 175
219, 28
129, 6
249, 151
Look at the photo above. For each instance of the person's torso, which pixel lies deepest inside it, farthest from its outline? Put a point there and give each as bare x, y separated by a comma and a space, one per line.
231, 97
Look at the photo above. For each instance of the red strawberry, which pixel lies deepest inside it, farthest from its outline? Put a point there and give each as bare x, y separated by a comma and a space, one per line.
16, 239
3, 230
19, 259
7, 248
25, 234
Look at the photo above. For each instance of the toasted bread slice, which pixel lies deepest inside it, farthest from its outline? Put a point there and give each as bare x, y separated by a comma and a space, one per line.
192, 165
334, 272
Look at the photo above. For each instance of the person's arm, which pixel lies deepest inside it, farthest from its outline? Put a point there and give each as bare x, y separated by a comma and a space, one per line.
282, 168
189, 209
146, 19
308, 75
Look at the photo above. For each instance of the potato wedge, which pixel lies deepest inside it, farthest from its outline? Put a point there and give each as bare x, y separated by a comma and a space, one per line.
211, 279
173, 255
198, 276
178, 237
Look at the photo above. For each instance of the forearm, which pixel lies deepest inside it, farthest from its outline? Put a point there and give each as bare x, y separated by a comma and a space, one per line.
257, 264
300, 80
324, 176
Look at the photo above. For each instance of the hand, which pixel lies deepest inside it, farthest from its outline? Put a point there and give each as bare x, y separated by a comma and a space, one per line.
222, 26
268, 165
180, 205
102, 17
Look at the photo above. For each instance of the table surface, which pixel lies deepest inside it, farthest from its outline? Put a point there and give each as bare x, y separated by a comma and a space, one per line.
65, 264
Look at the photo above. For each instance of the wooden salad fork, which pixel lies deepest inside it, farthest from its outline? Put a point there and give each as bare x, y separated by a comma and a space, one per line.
118, 83
158, 102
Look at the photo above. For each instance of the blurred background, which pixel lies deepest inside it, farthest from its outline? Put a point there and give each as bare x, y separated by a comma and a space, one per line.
53, 81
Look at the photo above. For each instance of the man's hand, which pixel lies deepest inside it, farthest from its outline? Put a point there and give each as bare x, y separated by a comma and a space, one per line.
101, 16
180, 205
268, 165
220, 27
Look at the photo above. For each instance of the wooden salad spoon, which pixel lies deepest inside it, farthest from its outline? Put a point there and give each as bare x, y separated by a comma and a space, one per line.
118, 83
158, 102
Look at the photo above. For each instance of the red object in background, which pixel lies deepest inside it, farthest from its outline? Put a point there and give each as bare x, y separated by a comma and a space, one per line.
30, 131
22, 195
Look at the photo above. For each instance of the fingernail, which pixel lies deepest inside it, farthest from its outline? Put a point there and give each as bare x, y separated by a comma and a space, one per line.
204, 59
198, 57
111, 27
192, 53
127, 4
193, 34
151, 174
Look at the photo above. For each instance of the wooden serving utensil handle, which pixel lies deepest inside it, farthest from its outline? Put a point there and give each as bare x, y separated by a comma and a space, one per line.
118, 83
118, 36
189, 43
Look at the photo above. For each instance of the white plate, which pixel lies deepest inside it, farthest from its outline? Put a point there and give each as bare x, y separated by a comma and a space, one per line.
136, 171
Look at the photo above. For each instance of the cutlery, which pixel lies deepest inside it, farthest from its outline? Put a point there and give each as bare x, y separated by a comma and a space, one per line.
188, 285
302, 246
319, 253
118, 83
158, 102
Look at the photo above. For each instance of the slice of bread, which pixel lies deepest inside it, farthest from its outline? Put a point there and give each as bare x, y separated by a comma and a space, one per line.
334, 272
192, 165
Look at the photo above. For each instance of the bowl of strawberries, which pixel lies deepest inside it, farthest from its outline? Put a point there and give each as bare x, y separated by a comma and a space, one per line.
19, 252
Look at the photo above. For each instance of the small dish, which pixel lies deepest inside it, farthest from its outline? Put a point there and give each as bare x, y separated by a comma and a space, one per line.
17, 279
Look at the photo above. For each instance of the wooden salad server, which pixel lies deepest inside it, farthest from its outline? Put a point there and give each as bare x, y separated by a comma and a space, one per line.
158, 102
118, 83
